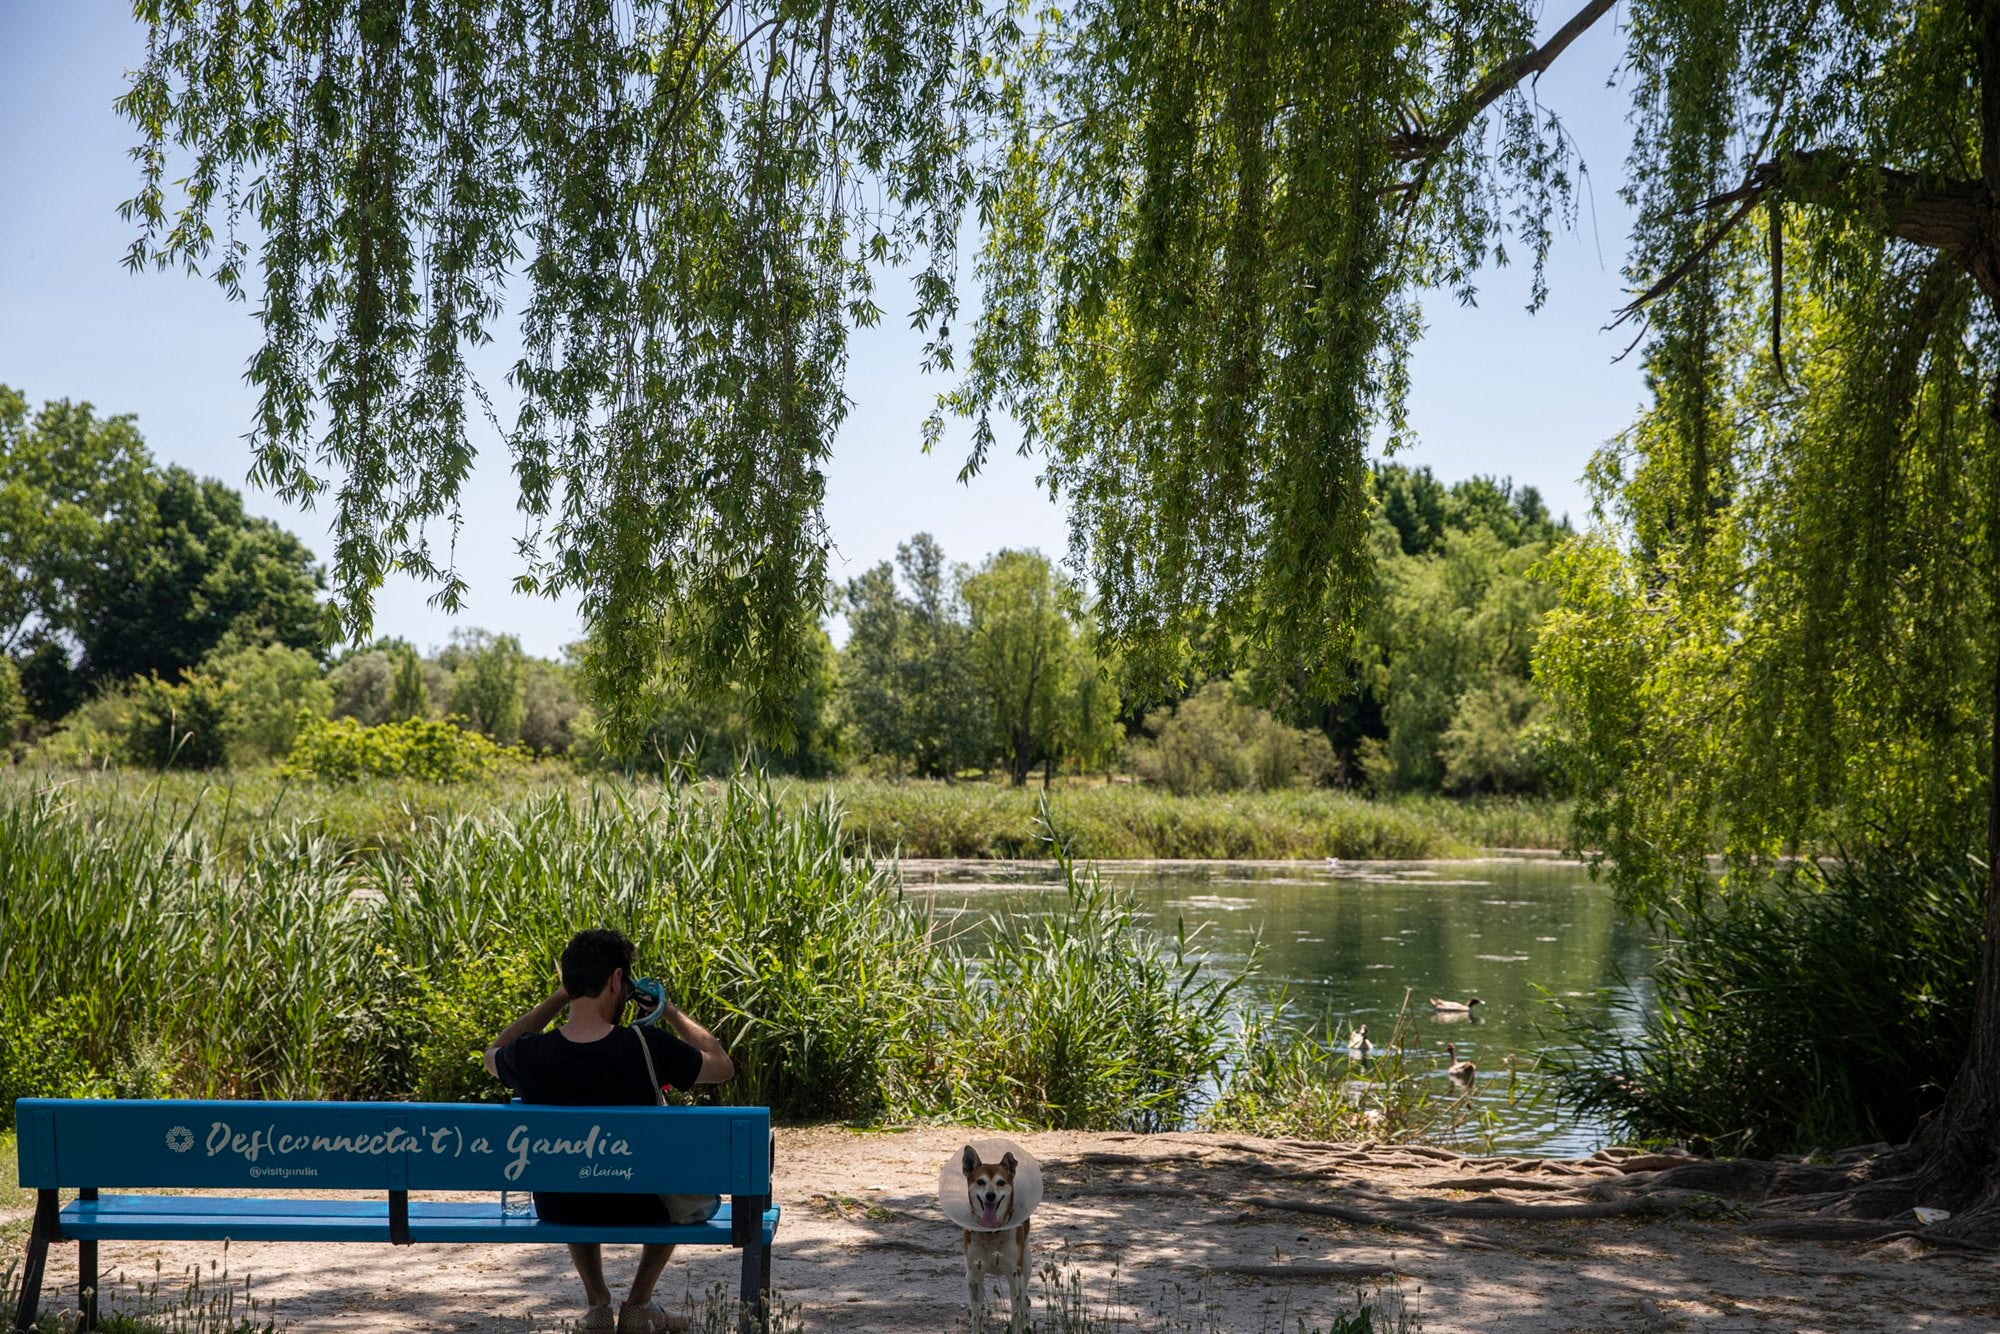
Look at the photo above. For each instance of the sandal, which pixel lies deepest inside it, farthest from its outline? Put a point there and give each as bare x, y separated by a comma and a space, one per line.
648, 1319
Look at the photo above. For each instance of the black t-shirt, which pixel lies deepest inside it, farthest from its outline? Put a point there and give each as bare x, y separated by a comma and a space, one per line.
550, 1068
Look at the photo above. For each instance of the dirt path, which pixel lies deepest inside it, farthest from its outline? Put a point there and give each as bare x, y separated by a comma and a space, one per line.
864, 1248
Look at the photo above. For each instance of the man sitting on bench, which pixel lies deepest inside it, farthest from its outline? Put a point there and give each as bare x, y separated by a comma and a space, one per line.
594, 1060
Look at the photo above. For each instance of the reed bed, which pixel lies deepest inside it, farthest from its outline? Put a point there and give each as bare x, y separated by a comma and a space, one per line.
1124, 820
1830, 1008
1098, 821
240, 952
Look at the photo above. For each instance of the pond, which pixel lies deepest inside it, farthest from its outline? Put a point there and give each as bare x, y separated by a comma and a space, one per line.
1351, 940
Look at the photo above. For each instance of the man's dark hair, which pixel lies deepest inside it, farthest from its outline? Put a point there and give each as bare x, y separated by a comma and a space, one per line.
590, 958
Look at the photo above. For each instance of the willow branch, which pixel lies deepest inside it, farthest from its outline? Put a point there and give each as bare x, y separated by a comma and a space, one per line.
1416, 143
1950, 216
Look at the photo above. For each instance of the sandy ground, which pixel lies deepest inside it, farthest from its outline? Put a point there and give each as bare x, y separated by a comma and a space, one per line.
1147, 1219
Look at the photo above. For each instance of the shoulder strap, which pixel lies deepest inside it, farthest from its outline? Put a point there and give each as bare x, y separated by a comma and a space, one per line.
652, 1075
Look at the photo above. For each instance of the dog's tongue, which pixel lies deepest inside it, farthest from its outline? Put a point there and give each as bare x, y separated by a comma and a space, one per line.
989, 1216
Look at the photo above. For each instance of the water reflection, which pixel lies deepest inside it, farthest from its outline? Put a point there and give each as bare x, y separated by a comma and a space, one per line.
1349, 941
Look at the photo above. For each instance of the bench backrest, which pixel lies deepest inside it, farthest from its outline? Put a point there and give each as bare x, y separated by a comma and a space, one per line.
397, 1146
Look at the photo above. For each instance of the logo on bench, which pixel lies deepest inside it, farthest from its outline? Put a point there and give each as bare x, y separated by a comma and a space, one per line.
180, 1139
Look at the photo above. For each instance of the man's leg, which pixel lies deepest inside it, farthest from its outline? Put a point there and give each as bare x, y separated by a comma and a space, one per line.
652, 1262
588, 1257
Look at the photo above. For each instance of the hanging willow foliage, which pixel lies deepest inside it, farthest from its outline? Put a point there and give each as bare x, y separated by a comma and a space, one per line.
1786, 634
1203, 239
1204, 222
681, 202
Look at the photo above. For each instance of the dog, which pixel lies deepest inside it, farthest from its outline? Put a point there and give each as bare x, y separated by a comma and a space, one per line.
989, 1189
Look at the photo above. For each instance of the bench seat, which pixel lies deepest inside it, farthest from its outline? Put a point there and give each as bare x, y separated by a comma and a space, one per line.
297, 1171
211, 1218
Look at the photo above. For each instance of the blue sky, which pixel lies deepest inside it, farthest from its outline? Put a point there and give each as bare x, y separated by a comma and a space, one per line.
1495, 390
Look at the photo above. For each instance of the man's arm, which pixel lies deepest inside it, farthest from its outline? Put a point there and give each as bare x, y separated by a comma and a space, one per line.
534, 1021
716, 1067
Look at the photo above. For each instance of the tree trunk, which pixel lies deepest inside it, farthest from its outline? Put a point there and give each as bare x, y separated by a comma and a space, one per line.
1961, 1143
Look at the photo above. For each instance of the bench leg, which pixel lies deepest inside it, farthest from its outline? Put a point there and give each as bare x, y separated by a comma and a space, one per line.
750, 1292
86, 1284
46, 1226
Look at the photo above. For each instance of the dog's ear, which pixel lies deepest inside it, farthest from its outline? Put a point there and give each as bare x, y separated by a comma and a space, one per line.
1009, 1162
970, 1160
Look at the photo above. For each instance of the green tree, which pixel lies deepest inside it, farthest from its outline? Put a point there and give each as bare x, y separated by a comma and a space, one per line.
362, 684
408, 697
1787, 631
1089, 732
907, 675
65, 474
489, 684
1021, 654
178, 573
550, 707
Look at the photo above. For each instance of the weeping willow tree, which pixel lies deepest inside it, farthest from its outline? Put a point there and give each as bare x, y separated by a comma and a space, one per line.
1206, 226
1789, 631
681, 205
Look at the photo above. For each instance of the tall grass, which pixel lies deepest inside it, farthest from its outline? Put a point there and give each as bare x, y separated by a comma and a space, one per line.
1129, 821
148, 947
912, 819
1830, 1009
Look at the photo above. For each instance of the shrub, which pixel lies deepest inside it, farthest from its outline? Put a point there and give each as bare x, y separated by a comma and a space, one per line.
13, 707
1494, 742
1831, 1008
362, 686
344, 750
93, 735
1214, 742
183, 723
272, 692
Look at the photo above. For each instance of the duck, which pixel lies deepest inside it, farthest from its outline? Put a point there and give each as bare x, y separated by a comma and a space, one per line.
1358, 1041
1461, 1072
1453, 1007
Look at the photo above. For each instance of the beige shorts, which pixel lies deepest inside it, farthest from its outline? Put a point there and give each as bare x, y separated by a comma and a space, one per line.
687, 1210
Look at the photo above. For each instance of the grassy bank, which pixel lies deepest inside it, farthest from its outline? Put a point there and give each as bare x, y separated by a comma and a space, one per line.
1124, 820
206, 944
911, 819
241, 954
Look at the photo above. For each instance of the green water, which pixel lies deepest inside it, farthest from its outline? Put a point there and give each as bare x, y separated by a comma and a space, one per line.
1352, 940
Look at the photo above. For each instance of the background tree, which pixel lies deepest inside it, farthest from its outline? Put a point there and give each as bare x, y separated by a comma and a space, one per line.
408, 695
1020, 651
111, 569
907, 673
269, 691
362, 685
13, 706
181, 570
488, 683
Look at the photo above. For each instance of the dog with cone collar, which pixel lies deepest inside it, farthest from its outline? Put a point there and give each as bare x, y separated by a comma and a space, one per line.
989, 1189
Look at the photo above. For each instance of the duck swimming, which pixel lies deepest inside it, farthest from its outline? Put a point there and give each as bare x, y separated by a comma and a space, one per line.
1358, 1041
1461, 1072
1453, 1007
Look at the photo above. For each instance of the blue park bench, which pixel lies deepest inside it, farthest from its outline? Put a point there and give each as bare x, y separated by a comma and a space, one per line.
392, 1147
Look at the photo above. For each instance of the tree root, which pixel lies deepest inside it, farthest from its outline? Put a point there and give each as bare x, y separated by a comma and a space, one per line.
1317, 1271
1507, 1183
